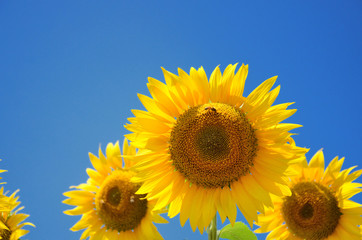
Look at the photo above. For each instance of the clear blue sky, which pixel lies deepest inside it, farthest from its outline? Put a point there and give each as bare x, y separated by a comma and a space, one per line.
70, 71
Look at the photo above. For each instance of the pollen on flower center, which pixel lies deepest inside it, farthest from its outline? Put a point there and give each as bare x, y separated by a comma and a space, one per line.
213, 145
117, 204
312, 211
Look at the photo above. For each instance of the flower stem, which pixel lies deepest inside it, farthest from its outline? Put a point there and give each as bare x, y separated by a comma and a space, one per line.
213, 229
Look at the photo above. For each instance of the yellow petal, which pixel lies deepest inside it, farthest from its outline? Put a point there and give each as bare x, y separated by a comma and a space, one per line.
215, 79
259, 93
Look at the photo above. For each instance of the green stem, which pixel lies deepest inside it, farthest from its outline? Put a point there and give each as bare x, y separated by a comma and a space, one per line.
213, 229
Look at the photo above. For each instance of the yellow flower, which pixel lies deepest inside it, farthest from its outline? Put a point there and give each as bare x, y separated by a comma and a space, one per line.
319, 207
11, 222
108, 203
208, 148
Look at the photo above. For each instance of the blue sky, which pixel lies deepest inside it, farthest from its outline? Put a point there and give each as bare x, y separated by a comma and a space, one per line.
70, 71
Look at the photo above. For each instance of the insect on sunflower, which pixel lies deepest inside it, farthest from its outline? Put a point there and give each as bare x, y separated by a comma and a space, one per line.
207, 148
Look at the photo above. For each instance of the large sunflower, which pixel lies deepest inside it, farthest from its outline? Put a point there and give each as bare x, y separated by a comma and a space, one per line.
108, 204
319, 207
209, 148
11, 221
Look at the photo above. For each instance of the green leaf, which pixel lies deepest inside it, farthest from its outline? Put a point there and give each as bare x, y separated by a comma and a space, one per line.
239, 232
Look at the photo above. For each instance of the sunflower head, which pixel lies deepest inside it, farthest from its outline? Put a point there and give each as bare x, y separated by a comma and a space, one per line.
11, 221
319, 207
207, 148
108, 201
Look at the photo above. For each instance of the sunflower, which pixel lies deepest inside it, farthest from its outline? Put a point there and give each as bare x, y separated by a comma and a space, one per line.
11, 222
207, 148
319, 207
108, 203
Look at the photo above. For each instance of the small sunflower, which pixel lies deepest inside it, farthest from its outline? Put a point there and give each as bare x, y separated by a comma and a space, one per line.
108, 203
11, 221
319, 207
207, 148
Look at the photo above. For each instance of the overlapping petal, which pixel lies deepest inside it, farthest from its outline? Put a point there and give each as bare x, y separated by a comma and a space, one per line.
11, 221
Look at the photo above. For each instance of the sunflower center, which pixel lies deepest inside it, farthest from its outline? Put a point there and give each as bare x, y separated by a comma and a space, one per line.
306, 211
117, 204
312, 211
114, 196
213, 145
